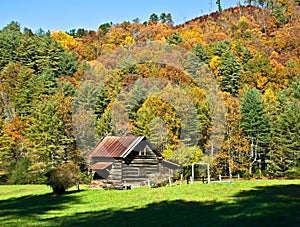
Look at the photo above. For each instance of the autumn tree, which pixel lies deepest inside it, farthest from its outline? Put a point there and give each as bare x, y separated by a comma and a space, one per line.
13, 144
256, 71
234, 157
248, 51
65, 40
152, 108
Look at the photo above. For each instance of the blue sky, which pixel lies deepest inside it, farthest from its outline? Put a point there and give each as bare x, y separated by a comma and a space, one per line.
68, 14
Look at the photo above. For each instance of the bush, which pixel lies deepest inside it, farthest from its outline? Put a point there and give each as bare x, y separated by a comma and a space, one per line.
63, 177
20, 173
293, 173
3, 178
158, 180
246, 175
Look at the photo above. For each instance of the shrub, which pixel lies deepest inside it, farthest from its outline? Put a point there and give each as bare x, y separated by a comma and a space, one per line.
63, 177
20, 173
293, 173
246, 175
3, 178
158, 180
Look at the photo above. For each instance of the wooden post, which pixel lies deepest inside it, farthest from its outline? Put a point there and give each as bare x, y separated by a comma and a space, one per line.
220, 178
238, 177
208, 174
193, 174
181, 178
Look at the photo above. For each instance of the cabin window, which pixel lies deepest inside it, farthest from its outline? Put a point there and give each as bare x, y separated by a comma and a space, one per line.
143, 152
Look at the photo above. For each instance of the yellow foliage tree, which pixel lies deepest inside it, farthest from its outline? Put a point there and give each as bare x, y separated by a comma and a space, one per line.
67, 41
214, 64
192, 35
128, 41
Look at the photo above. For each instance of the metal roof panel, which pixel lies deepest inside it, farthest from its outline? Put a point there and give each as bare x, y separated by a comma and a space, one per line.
101, 165
115, 147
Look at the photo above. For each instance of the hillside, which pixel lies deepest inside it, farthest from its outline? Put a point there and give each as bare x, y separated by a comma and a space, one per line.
61, 91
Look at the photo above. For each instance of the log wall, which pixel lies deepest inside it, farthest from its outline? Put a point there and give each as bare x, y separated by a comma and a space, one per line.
115, 175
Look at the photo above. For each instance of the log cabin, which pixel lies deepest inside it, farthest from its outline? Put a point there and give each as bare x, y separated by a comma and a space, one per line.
128, 160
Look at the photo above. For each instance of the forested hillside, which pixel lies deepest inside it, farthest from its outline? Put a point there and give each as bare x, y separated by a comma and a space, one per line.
252, 51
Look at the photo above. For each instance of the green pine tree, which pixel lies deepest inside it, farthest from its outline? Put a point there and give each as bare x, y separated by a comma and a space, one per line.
255, 124
9, 41
230, 73
175, 38
104, 125
47, 139
284, 157
201, 52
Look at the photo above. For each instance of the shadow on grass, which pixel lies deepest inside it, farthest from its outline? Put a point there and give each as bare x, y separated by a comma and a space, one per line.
262, 206
34, 205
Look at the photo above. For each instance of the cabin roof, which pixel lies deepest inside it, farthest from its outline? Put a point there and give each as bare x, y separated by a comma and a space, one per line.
101, 165
170, 165
115, 146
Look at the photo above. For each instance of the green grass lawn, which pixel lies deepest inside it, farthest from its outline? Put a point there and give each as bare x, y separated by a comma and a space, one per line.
244, 203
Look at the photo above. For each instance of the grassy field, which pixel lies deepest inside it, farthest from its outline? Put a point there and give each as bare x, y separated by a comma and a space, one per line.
244, 203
